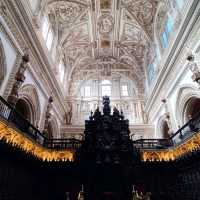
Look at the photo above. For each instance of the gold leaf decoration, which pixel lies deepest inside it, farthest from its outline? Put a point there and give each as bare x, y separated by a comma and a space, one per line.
18, 139
172, 153
15, 138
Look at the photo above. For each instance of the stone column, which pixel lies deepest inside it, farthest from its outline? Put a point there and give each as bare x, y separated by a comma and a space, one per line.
133, 112
140, 112
19, 79
144, 114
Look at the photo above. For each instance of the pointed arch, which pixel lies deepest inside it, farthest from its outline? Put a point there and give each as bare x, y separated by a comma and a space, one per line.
184, 95
29, 94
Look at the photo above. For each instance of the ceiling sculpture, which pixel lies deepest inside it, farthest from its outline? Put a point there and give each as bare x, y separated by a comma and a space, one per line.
103, 37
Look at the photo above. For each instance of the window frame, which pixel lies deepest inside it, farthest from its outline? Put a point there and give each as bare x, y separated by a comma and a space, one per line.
87, 93
61, 76
47, 32
168, 28
126, 94
106, 84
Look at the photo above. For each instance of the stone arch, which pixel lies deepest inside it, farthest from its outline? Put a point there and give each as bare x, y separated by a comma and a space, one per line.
28, 93
24, 108
136, 83
2, 63
191, 108
186, 97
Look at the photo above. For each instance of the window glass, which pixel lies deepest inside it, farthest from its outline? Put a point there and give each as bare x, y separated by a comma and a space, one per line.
158, 54
170, 24
45, 27
106, 90
124, 90
164, 40
61, 71
87, 91
47, 33
49, 39
180, 3
167, 30
105, 82
151, 72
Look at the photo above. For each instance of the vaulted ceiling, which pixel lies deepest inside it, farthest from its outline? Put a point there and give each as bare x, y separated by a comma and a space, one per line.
103, 37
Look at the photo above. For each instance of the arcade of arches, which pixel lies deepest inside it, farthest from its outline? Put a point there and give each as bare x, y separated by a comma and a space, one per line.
59, 58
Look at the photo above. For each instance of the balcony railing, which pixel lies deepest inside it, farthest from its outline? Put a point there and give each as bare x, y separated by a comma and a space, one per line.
11, 115
152, 143
188, 130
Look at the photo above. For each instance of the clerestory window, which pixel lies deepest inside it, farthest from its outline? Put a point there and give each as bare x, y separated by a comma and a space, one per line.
106, 88
47, 33
124, 90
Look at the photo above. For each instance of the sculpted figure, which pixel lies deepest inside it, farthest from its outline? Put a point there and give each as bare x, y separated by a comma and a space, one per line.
19, 79
68, 115
169, 124
105, 24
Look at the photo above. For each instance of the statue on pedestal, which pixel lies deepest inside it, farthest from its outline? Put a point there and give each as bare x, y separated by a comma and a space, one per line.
194, 68
48, 116
19, 79
169, 124
68, 115
81, 194
137, 196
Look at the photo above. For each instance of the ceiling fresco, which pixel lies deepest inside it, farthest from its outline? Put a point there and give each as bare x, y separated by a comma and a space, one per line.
103, 37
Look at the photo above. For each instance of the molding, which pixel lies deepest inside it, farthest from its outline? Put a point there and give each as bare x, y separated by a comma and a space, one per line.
39, 58
176, 49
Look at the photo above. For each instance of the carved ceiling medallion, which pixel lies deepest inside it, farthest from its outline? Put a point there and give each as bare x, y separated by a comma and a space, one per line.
66, 12
105, 24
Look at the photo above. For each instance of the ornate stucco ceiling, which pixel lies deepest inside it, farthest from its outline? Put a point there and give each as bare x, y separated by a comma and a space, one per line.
103, 37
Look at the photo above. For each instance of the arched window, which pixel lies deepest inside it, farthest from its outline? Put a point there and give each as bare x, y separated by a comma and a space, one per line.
168, 27
47, 33
87, 91
158, 55
61, 69
180, 3
24, 109
124, 89
192, 108
106, 88
151, 72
